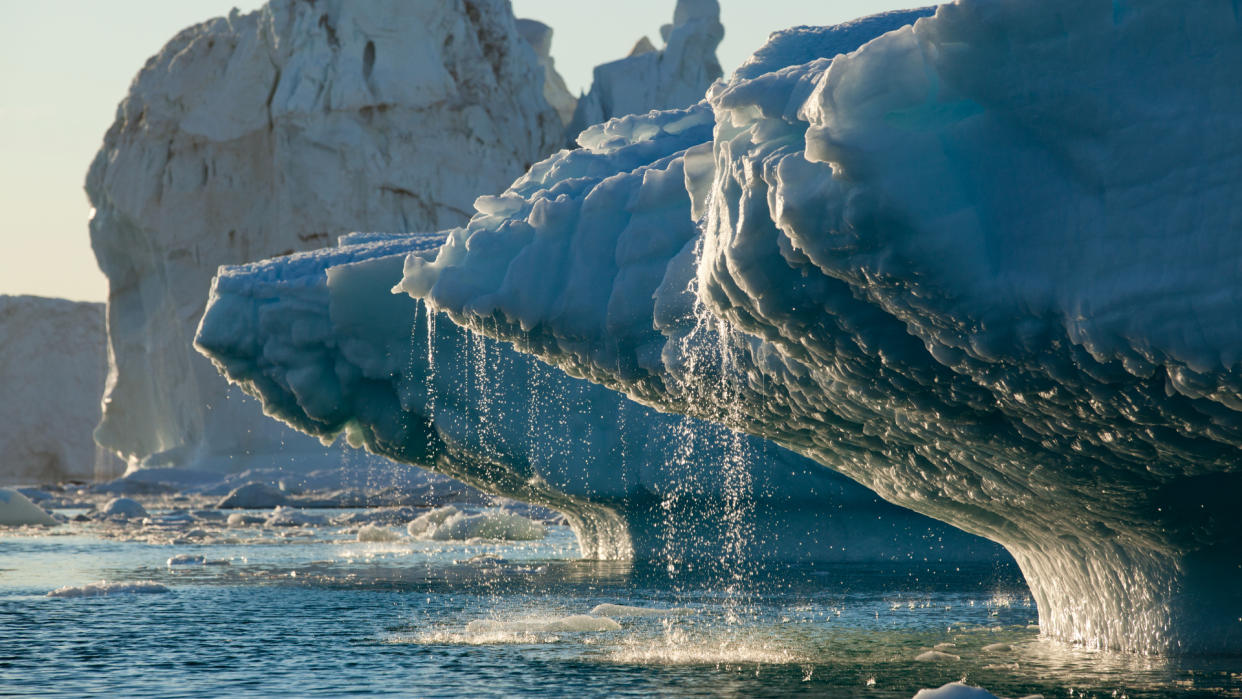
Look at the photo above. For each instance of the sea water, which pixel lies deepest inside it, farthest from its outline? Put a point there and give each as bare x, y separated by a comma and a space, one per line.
207, 610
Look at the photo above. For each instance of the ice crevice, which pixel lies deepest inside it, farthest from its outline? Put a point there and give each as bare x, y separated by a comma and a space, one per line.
985, 265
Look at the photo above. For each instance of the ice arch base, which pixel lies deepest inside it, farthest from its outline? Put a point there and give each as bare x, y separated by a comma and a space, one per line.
982, 265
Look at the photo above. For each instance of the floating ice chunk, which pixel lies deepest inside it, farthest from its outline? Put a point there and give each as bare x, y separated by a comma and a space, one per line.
997, 648
372, 533
241, 519
623, 610
935, 656
576, 623
955, 690
290, 517
17, 510
449, 523
104, 588
253, 496
187, 559
124, 508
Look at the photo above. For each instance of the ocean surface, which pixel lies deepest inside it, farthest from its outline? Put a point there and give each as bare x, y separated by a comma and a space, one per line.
311, 611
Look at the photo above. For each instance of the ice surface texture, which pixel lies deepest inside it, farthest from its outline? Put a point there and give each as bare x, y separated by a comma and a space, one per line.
256, 135
987, 265
320, 338
53, 360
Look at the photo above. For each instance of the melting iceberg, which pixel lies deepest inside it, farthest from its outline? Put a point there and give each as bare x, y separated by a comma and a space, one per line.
322, 341
986, 265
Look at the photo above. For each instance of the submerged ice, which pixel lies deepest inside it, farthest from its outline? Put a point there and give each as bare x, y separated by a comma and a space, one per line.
984, 265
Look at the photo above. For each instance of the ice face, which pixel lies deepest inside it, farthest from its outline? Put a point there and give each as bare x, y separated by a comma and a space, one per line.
672, 77
983, 265
326, 346
52, 369
256, 135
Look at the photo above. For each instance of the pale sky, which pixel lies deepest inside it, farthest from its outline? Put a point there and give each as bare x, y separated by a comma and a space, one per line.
65, 64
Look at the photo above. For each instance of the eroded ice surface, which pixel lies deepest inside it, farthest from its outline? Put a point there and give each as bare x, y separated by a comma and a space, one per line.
986, 265
326, 346
261, 134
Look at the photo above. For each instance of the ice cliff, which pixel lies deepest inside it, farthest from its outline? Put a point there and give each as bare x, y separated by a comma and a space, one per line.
263, 134
987, 265
672, 77
52, 366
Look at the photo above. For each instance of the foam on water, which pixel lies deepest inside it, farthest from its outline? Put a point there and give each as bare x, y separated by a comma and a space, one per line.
622, 610
679, 647
574, 623
104, 588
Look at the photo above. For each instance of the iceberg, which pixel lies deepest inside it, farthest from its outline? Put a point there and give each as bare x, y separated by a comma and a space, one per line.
263, 134
320, 339
984, 265
673, 77
52, 371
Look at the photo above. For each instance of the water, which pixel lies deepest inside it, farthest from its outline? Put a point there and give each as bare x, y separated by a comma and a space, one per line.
309, 612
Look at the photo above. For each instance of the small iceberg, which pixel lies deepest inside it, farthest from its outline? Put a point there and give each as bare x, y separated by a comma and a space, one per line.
17, 510
104, 588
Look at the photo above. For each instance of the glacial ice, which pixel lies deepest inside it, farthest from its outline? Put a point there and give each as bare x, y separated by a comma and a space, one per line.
52, 370
982, 265
262, 134
321, 340
17, 510
675, 76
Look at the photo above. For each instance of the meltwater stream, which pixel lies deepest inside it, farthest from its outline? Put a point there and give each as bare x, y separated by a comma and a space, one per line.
309, 610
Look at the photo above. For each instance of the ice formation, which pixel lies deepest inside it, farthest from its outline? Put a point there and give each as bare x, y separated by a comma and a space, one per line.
672, 77
17, 510
451, 524
53, 360
320, 338
985, 265
539, 36
263, 134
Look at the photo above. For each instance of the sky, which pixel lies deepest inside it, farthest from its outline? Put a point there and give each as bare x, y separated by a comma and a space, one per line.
65, 64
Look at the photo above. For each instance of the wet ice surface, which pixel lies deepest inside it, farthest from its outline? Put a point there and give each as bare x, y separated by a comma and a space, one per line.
311, 610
